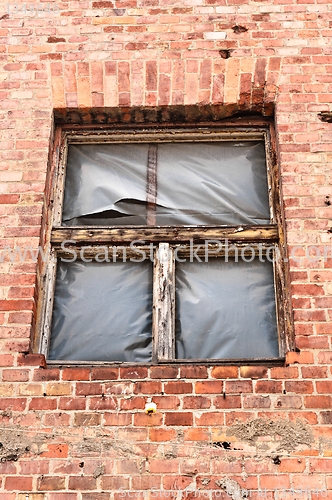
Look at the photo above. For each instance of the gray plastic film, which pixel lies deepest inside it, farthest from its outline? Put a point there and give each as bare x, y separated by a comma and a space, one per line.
225, 310
223, 183
212, 183
102, 312
105, 185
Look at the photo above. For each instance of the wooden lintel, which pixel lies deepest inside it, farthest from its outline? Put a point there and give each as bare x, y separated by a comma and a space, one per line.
144, 235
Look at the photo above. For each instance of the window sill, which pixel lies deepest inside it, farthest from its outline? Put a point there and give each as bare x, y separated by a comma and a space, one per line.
266, 362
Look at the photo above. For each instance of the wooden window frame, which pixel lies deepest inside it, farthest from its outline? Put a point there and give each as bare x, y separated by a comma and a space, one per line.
168, 238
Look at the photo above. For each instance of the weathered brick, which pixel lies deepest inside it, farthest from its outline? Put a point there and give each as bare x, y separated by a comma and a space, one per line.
104, 373
225, 372
180, 418
18, 483
87, 419
208, 387
178, 387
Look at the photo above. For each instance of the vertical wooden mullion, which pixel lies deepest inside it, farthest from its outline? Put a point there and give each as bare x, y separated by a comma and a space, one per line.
151, 187
61, 151
163, 321
46, 316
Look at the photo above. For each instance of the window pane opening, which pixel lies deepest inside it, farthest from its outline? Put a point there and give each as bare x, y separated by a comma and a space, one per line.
225, 310
102, 312
218, 183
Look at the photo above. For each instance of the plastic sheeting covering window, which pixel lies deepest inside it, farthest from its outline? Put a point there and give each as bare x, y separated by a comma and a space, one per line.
212, 183
105, 185
222, 183
225, 310
102, 312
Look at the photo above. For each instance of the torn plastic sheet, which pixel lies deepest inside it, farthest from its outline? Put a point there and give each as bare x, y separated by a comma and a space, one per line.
102, 312
225, 310
222, 183
105, 184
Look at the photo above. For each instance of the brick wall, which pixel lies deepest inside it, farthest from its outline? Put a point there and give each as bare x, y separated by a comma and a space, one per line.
81, 433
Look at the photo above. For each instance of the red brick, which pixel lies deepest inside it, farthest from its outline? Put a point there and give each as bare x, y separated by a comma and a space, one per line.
41, 375
164, 466
181, 481
86, 419
299, 357
209, 387
292, 465
210, 418
32, 360
324, 386
196, 435
13, 404
20, 483
268, 386
320, 465
81, 483
88, 389
148, 388
127, 467
119, 388
56, 451
76, 374
288, 402
15, 375
102, 403
112, 483
317, 401
181, 418
196, 402
132, 373
197, 372
256, 402
166, 402
298, 386
253, 372
104, 373
287, 372
162, 435
227, 402
90, 496
18, 305
67, 403
238, 416
6, 360
134, 403
326, 417
45, 403
225, 372
274, 482
117, 419
314, 371
178, 387
238, 386
308, 482
146, 482
164, 372
142, 419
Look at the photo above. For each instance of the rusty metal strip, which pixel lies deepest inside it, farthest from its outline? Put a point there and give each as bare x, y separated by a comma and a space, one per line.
151, 184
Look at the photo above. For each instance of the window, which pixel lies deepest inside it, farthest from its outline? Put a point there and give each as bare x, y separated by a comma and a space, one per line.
165, 246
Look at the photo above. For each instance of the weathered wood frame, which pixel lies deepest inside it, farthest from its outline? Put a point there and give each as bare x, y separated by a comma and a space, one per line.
168, 239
